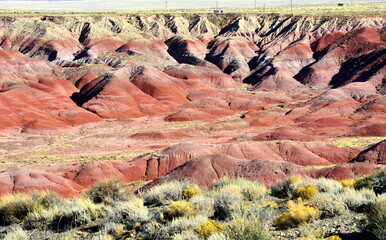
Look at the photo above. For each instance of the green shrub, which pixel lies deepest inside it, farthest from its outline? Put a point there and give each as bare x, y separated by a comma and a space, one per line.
376, 182
296, 215
246, 229
208, 228
377, 219
109, 192
305, 192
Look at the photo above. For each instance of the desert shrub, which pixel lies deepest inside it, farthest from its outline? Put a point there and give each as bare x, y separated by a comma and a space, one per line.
312, 234
45, 209
186, 235
190, 192
109, 192
15, 233
249, 191
180, 208
217, 236
15, 208
162, 194
305, 192
328, 205
270, 203
208, 228
179, 225
246, 229
149, 230
377, 219
376, 182
296, 215
356, 200
285, 188
36, 209
324, 185
333, 238
224, 205
40, 217
348, 183
203, 205
113, 229
264, 214
131, 213
79, 212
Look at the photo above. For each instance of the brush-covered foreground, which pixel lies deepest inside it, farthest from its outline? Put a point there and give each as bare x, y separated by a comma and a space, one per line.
234, 208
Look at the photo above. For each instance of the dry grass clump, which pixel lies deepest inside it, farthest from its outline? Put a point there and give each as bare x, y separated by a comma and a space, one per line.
34, 210
245, 228
179, 225
348, 183
130, 213
324, 185
15, 208
356, 200
190, 192
377, 219
208, 228
16, 233
225, 204
269, 203
305, 192
180, 208
109, 192
333, 238
203, 205
162, 194
296, 215
187, 235
328, 205
79, 212
248, 190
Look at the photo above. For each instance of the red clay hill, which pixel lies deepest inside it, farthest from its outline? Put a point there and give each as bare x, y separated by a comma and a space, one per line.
261, 97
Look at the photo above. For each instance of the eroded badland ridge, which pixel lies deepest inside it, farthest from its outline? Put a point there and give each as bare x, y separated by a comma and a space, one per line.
262, 97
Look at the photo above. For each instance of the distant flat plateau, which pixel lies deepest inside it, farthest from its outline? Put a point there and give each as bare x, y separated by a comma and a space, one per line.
99, 5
